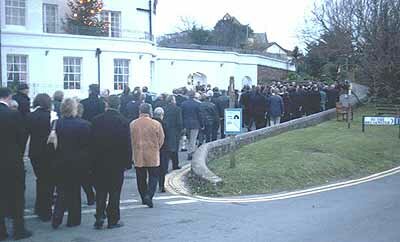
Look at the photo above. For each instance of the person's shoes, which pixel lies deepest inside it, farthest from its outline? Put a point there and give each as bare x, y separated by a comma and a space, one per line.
148, 202
115, 226
22, 234
177, 168
3, 236
70, 225
45, 218
98, 224
162, 190
190, 157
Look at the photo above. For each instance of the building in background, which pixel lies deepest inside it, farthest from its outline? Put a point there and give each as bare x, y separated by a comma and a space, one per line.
38, 49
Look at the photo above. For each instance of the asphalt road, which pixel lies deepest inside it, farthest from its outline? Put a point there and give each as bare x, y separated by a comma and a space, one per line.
362, 213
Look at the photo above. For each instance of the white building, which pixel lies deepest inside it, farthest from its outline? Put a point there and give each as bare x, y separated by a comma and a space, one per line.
36, 49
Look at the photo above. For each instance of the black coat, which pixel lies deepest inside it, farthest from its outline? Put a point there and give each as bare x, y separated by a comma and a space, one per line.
72, 156
258, 104
180, 99
39, 129
222, 104
332, 97
209, 113
93, 106
191, 114
173, 127
110, 143
125, 99
24, 103
12, 172
12, 141
132, 110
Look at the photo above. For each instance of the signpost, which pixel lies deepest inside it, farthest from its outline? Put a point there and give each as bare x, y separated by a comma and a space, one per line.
233, 121
380, 121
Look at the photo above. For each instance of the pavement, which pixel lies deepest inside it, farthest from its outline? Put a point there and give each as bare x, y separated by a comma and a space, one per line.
360, 213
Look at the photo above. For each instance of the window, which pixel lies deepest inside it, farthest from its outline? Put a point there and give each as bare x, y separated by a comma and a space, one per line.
114, 22
15, 12
121, 74
72, 72
50, 16
17, 68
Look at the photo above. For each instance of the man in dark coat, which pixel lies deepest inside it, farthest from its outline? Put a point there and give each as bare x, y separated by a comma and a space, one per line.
210, 118
126, 97
173, 130
132, 108
332, 96
12, 171
147, 96
24, 105
112, 155
40, 155
245, 105
179, 97
258, 103
93, 105
223, 103
24, 102
192, 121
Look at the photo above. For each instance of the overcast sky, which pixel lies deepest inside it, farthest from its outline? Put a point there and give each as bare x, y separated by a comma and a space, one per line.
282, 20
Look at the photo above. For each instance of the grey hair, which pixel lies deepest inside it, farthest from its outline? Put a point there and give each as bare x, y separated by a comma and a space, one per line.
69, 108
145, 108
158, 112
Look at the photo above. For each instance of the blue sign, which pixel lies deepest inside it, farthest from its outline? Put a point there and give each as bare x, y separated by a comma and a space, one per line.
233, 121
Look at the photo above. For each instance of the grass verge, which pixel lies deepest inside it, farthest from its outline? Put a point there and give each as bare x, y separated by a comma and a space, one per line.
318, 155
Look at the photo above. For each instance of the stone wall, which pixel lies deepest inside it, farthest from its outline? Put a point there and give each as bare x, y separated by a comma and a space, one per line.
216, 149
266, 73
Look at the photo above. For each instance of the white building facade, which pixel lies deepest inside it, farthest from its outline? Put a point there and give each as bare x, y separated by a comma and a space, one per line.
36, 49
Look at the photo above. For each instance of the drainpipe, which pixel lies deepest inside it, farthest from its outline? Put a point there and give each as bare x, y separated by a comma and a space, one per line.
98, 53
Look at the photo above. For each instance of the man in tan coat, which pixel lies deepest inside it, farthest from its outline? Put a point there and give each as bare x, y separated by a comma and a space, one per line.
147, 137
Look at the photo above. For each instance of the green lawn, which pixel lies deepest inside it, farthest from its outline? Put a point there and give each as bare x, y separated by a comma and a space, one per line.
304, 158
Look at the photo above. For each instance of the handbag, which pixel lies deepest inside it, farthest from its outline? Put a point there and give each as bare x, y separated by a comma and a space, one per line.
53, 139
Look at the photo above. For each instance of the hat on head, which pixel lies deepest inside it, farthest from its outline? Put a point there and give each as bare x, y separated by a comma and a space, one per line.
23, 86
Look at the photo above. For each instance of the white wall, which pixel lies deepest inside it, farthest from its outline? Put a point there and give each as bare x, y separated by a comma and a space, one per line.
133, 22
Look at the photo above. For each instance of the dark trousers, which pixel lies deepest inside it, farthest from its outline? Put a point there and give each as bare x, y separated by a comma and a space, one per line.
108, 185
44, 189
222, 125
68, 199
211, 132
260, 121
12, 200
147, 189
88, 188
164, 164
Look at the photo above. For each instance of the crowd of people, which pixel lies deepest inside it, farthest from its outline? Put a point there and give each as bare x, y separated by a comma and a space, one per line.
90, 143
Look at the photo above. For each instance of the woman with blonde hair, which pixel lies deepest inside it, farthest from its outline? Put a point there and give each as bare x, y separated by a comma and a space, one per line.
71, 163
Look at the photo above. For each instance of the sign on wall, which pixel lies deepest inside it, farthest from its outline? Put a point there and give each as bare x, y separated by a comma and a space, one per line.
233, 121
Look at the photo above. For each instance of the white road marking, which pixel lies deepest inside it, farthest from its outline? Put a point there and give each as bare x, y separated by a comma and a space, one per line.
167, 197
181, 202
268, 198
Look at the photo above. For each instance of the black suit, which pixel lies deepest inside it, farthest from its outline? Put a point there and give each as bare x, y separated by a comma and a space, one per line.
92, 106
72, 162
132, 110
111, 155
40, 155
12, 171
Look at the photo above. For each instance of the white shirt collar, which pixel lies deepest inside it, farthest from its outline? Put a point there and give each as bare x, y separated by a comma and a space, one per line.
5, 103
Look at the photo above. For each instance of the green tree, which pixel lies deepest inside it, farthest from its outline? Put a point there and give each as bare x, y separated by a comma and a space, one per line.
84, 18
229, 32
